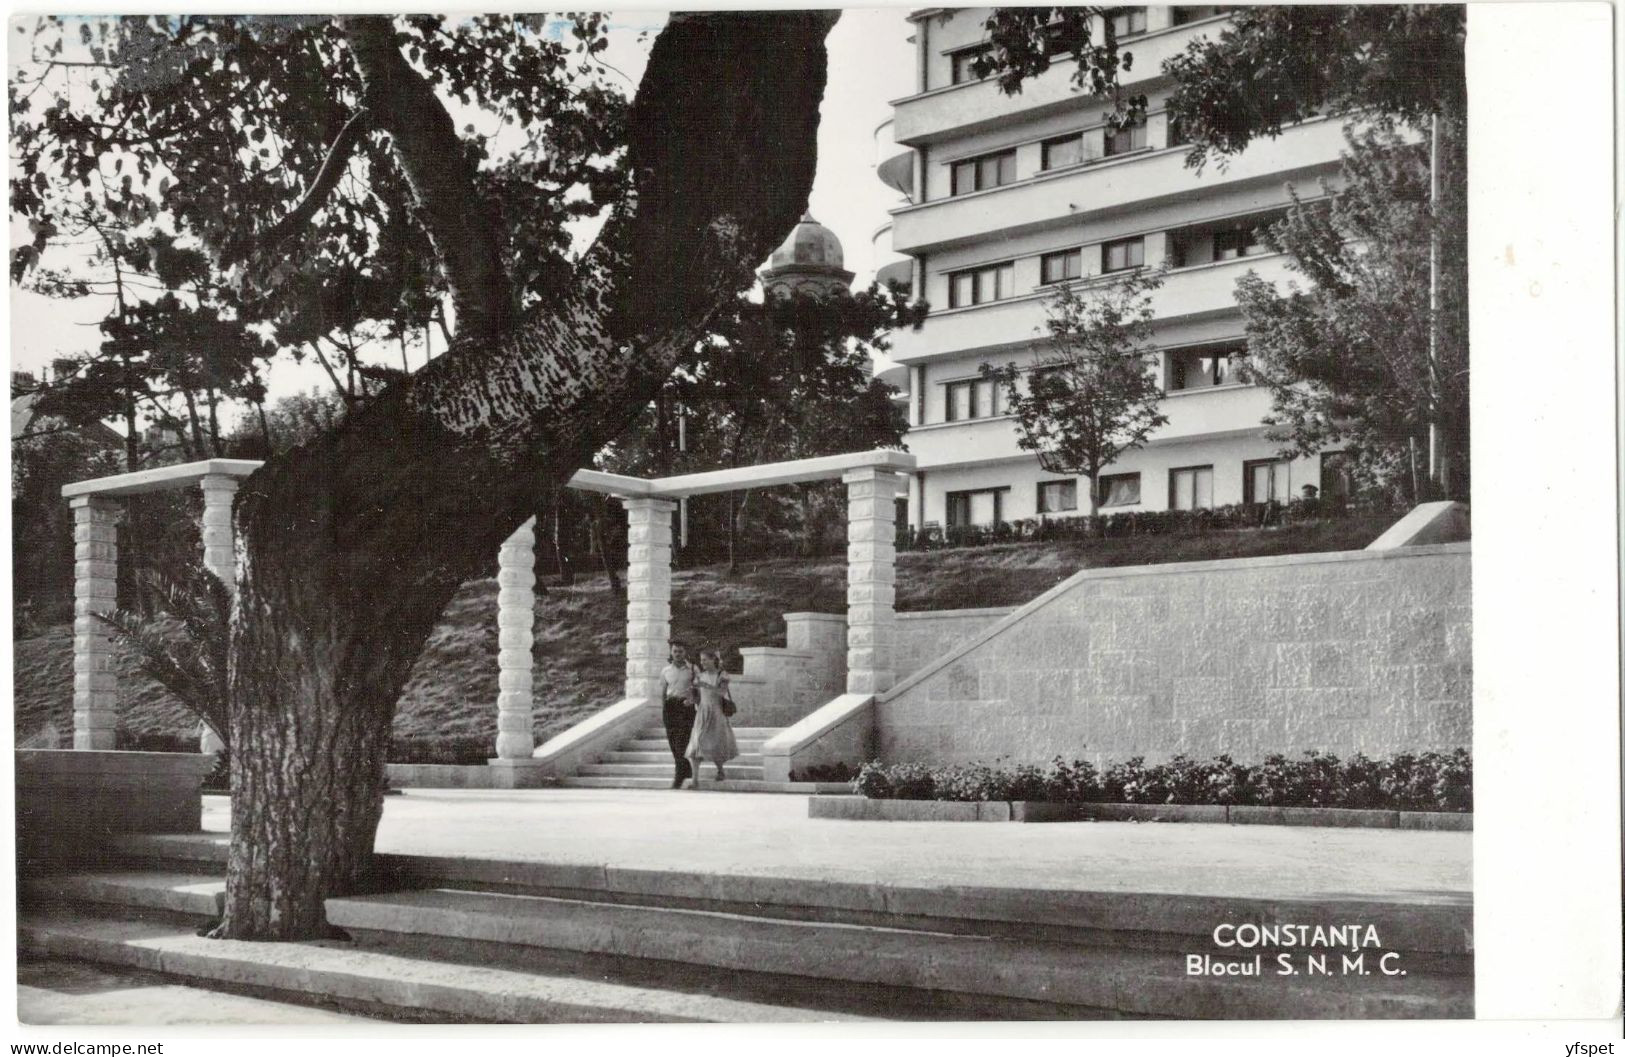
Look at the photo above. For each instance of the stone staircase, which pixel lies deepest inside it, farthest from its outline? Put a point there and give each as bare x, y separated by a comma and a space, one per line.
644, 762
475, 940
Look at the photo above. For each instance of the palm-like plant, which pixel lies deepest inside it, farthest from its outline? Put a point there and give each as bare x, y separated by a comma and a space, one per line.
189, 660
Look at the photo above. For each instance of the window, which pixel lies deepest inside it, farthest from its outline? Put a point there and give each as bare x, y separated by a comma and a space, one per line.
963, 61
1059, 267
1056, 496
1122, 255
1265, 481
1119, 489
972, 398
1244, 241
1177, 136
1126, 139
1197, 12
1190, 488
982, 507
1203, 367
1127, 21
979, 285
979, 174
1062, 151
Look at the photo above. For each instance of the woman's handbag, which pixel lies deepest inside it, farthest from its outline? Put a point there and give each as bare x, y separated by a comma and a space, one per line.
728, 706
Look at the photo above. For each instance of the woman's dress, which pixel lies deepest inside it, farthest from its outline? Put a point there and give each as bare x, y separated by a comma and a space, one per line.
713, 737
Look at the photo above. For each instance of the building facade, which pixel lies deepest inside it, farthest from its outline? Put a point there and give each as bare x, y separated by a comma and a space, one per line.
1004, 196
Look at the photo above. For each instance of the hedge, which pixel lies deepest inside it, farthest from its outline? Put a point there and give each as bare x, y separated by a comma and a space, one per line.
1139, 523
1428, 781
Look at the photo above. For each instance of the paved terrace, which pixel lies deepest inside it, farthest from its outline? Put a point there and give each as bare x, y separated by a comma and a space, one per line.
771, 836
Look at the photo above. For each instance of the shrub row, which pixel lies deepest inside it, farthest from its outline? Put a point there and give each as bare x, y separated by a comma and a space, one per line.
1136, 523
1428, 781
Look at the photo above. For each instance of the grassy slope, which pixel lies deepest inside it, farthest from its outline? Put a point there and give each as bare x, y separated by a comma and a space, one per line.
453, 690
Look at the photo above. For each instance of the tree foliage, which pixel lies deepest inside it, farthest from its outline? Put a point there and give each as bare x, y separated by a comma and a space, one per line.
1356, 359
1024, 42
1091, 393
1273, 66
250, 139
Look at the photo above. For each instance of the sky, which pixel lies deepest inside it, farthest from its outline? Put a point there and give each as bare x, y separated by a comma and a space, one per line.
871, 63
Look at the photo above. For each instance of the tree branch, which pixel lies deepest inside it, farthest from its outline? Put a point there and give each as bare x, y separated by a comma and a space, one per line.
338, 156
460, 221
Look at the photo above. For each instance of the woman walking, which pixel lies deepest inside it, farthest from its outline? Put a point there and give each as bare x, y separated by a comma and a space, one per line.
713, 737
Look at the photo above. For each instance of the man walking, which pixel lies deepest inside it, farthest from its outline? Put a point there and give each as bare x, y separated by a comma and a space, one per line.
677, 709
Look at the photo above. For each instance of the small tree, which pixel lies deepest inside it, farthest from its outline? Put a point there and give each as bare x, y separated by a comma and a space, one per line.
1091, 394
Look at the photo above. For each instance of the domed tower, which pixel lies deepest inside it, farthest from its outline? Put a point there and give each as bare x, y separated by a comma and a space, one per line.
809, 261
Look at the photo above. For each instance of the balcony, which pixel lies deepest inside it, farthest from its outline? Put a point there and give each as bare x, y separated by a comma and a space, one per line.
1004, 326
1220, 411
894, 164
963, 109
1063, 197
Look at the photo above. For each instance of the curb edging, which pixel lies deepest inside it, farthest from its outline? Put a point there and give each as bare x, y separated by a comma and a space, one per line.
859, 808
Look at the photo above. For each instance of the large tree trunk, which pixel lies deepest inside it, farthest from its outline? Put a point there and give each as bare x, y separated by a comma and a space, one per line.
350, 547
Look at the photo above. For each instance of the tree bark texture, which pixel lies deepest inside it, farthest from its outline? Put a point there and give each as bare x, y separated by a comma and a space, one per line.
350, 547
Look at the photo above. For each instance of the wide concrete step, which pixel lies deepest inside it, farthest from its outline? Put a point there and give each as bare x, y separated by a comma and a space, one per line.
663, 758
381, 983
664, 770
479, 926
742, 733
177, 852
181, 893
747, 746
731, 785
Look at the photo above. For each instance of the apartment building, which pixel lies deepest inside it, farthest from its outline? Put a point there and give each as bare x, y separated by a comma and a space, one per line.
1004, 196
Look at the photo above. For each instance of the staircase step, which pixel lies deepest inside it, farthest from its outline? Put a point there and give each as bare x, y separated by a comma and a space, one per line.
1099, 980
184, 893
204, 852
642, 745
663, 758
661, 770
378, 982
742, 733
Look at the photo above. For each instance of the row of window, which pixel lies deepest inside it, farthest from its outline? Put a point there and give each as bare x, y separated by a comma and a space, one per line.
1199, 367
1189, 488
1126, 23
987, 171
996, 282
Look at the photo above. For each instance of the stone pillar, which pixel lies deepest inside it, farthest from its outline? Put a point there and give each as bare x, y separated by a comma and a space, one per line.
95, 590
219, 557
516, 617
648, 593
871, 557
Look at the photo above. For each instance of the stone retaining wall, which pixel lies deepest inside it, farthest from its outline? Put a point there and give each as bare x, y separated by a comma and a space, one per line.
923, 637
1347, 652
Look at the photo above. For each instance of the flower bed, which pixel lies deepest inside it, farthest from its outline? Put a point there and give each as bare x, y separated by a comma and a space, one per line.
1426, 782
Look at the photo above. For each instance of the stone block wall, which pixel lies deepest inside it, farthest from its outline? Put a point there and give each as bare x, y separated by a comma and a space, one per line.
1353, 651
822, 636
71, 803
923, 637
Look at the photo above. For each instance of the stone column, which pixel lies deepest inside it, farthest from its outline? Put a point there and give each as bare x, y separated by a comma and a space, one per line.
516, 616
95, 590
219, 557
871, 557
648, 593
